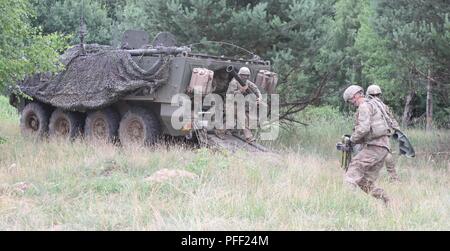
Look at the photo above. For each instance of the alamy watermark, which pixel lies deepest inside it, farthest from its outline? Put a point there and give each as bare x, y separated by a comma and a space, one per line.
237, 111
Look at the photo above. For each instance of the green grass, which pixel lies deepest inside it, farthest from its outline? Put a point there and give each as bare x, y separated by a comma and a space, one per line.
94, 186
7, 112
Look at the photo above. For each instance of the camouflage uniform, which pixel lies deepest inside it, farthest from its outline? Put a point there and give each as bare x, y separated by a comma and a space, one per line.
390, 167
371, 131
390, 159
235, 88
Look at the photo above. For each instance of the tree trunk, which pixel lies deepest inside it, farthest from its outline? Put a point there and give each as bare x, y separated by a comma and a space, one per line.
407, 112
429, 109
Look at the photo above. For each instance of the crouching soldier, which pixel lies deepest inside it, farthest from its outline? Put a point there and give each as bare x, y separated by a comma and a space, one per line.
372, 132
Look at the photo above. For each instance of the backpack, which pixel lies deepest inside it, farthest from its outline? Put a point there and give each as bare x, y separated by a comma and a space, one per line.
380, 127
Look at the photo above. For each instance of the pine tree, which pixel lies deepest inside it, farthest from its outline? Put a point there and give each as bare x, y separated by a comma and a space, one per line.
64, 16
417, 34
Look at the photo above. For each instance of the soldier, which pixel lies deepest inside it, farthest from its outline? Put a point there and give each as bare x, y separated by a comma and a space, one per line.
374, 92
372, 132
235, 88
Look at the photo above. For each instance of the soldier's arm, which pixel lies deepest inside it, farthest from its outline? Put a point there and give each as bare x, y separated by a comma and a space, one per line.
254, 88
362, 127
232, 87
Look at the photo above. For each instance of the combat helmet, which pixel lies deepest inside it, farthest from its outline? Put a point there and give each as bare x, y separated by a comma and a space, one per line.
244, 71
351, 91
373, 90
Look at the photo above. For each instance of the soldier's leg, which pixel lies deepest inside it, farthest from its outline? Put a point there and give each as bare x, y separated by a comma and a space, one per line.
238, 124
390, 166
355, 171
370, 188
364, 169
247, 132
220, 132
372, 173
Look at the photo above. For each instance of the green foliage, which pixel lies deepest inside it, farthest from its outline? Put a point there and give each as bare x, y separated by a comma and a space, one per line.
346, 25
7, 112
249, 26
64, 16
23, 48
324, 126
322, 114
200, 162
301, 53
291, 33
416, 35
381, 67
317, 47
317, 42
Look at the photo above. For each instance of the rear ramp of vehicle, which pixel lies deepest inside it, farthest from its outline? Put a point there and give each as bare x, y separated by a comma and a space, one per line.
232, 143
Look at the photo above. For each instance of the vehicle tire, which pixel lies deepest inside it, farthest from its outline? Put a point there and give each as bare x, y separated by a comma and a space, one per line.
65, 124
139, 126
34, 120
102, 125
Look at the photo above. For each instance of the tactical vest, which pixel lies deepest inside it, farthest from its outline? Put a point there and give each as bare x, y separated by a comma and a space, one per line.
379, 126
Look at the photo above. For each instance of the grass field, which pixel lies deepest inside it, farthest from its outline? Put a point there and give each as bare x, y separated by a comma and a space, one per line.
55, 185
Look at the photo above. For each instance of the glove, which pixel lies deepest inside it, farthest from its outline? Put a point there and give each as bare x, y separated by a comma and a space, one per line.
243, 89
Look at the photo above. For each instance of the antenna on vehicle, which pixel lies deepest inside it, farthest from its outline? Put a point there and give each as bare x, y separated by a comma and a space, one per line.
83, 30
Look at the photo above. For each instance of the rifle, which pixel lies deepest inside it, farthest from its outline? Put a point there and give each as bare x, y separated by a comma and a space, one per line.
346, 148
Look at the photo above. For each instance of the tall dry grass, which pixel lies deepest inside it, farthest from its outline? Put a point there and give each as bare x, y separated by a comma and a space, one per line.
56, 185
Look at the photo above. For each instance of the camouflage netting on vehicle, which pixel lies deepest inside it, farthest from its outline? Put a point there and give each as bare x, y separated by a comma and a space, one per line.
94, 80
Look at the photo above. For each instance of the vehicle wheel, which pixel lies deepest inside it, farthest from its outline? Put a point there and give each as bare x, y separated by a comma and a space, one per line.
34, 120
65, 124
102, 124
139, 126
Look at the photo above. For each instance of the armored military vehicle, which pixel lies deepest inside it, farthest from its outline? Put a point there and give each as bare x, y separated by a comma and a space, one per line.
124, 94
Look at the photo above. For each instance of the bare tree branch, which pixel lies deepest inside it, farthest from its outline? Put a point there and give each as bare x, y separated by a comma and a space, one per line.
298, 105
